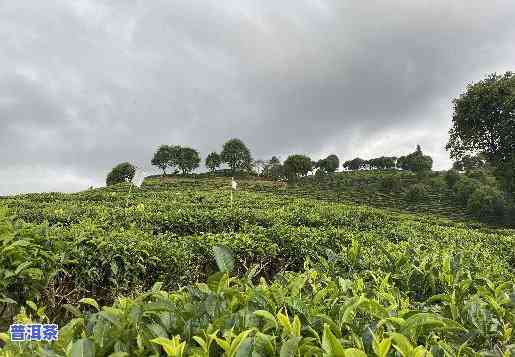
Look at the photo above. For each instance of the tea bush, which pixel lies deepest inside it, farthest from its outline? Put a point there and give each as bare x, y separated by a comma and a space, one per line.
431, 307
351, 277
417, 192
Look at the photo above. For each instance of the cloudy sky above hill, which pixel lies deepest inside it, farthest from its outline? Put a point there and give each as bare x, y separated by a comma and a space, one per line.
87, 84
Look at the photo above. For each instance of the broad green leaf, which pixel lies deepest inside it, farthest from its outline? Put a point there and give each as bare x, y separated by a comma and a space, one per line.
245, 348
354, 352
83, 348
401, 343
237, 342
289, 348
91, 302
382, 348
419, 352
267, 316
330, 343
173, 347
224, 259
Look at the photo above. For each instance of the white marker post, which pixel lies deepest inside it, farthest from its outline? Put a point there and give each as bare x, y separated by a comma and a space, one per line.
234, 186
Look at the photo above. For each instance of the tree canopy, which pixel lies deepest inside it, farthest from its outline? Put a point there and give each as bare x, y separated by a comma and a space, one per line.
161, 158
329, 164
237, 156
483, 121
416, 162
354, 164
273, 169
469, 162
382, 163
213, 161
297, 165
188, 159
176, 156
121, 173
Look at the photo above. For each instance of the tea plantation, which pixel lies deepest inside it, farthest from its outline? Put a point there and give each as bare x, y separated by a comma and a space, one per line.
182, 268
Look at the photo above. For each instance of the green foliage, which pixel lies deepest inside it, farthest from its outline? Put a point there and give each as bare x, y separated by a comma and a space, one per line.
464, 188
328, 165
273, 169
391, 183
354, 164
236, 155
307, 277
468, 163
382, 163
188, 159
28, 261
452, 177
213, 161
175, 156
416, 162
311, 313
486, 202
161, 158
483, 122
297, 165
478, 192
417, 192
123, 172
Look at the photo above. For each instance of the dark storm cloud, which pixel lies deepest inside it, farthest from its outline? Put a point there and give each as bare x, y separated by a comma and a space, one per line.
86, 84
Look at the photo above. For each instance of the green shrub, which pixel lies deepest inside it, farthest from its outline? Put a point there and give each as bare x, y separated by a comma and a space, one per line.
484, 176
417, 192
452, 177
487, 203
464, 188
437, 183
314, 312
391, 183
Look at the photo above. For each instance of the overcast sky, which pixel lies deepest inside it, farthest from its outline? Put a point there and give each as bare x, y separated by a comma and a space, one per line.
87, 84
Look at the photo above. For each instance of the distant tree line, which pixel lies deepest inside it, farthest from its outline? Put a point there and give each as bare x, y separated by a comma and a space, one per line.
416, 162
177, 159
482, 136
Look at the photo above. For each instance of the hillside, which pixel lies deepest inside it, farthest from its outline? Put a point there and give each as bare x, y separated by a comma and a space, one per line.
346, 273
374, 188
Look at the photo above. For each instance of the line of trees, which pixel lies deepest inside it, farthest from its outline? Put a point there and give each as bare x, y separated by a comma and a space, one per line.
416, 162
178, 158
237, 156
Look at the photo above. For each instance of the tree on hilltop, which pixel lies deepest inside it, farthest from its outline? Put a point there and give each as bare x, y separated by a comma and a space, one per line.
328, 165
161, 158
213, 161
123, 172
237, 156
297, 165
273, 169
382, 163
354, 164
188, 159
416, 162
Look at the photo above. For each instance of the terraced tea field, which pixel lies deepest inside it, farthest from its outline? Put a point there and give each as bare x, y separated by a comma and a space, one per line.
272, 271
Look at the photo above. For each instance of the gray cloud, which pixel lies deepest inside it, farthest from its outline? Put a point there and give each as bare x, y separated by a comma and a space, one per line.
87, 84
